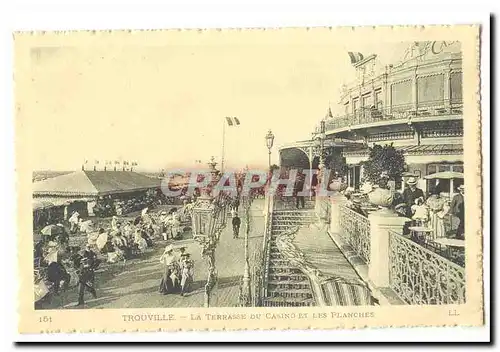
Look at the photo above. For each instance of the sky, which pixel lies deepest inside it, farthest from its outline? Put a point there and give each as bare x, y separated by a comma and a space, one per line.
164, 105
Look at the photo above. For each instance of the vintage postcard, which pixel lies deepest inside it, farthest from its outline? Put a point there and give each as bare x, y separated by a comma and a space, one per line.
295, 178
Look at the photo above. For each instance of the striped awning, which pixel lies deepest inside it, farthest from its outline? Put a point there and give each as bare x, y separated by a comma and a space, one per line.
430, 149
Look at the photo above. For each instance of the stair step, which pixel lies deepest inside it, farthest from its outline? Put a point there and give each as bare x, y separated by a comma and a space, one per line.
288, 282
290, 290
287, 277
279, 262
287, 302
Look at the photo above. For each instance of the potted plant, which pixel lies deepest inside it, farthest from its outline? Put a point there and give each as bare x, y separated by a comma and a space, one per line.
385, 163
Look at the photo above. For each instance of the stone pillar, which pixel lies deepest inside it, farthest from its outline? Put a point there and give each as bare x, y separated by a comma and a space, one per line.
447, 88
381, 222
336, 202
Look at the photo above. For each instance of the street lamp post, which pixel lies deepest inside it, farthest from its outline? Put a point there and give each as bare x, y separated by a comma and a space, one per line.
246, 290
209, 219
269, 143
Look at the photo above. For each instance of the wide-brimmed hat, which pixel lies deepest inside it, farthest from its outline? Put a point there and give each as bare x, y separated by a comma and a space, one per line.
169, 248
164, 213
411, 181
461, 187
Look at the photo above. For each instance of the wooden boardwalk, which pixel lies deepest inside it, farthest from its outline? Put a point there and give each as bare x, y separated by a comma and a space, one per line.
135, 283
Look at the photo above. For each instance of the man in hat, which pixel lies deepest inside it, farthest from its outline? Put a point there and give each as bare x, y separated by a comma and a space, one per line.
457, 208
86, 275
410, 194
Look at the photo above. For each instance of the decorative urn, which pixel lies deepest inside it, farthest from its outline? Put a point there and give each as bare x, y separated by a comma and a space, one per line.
382, 197
337, 185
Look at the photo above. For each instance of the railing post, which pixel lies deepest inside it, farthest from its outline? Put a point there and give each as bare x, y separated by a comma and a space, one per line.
381, 222
336, 202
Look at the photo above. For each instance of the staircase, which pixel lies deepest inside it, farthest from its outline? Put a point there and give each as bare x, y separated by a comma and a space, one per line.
286, 286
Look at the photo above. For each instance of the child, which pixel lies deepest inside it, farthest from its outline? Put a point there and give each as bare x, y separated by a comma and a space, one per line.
420, 212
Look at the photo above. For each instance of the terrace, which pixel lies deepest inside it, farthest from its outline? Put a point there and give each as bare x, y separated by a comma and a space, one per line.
396, 114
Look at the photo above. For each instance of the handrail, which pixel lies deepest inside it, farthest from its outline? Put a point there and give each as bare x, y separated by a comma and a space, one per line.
269, 205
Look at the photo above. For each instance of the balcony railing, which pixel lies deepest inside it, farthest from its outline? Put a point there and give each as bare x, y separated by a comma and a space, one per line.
395, 112
420, 276
356, 232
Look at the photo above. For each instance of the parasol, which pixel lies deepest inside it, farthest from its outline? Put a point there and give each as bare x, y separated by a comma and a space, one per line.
51, 230
445, 175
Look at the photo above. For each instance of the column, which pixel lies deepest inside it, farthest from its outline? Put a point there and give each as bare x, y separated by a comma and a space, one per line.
336, 202
414, 91
381, 222
447, 89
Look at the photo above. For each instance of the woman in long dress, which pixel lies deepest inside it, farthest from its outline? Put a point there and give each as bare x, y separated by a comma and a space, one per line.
168, 259
437, 212
187, 272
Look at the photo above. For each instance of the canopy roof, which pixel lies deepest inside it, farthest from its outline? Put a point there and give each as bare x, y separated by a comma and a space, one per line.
94, 183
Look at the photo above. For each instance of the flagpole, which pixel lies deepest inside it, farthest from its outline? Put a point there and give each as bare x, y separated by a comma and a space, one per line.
223, 142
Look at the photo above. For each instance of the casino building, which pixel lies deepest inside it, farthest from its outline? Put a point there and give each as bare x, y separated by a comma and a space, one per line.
415, 104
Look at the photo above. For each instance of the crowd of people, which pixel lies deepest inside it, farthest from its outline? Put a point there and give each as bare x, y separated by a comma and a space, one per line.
59, 266
436, 212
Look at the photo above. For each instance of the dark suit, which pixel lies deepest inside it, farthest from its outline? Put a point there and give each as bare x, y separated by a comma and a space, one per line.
409, 197
457, 208
236, 226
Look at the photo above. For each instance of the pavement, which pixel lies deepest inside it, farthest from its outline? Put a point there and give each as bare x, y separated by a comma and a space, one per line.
135, 283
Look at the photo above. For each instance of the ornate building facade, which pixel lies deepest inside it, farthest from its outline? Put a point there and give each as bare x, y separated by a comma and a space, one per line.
415, 105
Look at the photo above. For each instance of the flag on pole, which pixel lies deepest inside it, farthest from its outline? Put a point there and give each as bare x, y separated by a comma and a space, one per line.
355, 57
233, 121
329, 113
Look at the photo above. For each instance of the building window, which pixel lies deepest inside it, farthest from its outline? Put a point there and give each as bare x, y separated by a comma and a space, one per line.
366, 104
430, 89
378, 99
401, 93
346, 108
355, 107
456, 86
